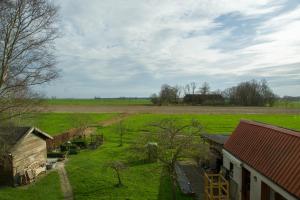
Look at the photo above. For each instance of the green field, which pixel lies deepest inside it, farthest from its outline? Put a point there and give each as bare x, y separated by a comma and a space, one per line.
56, 123
99, 102
48, 188
144, 180
91, 180
287, 104
135, 101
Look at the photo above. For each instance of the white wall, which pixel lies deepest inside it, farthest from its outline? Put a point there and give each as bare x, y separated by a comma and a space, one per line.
256, 178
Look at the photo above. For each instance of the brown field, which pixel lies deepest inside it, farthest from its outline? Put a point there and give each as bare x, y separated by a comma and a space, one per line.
169, 109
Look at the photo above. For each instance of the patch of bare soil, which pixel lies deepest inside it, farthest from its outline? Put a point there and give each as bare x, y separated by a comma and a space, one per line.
64, 181
169, 109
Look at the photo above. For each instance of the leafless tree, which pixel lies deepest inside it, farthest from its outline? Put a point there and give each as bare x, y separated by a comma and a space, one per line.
27, 33
204, 89
187, 89
174, 142
121, 130
193, 86
179, 90
117, 167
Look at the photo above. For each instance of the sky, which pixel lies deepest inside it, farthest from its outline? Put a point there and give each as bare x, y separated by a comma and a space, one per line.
113, 48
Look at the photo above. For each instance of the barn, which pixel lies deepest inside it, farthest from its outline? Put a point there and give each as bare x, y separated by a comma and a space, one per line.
24, 154
263, 162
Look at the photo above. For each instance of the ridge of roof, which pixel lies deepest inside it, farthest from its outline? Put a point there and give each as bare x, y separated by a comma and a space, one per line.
279, 129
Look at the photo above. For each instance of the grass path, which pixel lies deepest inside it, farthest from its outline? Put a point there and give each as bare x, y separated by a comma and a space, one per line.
64, 181
115, 120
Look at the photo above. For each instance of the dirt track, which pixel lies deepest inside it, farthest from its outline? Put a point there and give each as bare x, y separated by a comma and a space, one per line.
170, 109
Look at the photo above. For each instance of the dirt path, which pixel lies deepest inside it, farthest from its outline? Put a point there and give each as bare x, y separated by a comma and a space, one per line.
115, 120
170, 109
64, 181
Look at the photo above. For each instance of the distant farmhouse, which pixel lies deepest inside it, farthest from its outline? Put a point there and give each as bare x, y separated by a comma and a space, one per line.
26, 154
263, 162
204, 99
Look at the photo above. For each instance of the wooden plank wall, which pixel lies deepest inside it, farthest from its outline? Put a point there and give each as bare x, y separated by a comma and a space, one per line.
29, 150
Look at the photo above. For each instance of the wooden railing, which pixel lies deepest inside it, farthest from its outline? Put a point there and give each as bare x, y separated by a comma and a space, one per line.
216, 187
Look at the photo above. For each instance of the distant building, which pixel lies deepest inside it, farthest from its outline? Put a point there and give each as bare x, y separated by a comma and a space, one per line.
263, 162
25, 156
204, 99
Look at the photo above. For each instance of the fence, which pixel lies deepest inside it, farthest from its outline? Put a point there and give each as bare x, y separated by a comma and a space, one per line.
216, 187
64, 137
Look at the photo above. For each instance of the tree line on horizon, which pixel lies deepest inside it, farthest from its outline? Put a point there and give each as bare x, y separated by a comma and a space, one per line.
248, 93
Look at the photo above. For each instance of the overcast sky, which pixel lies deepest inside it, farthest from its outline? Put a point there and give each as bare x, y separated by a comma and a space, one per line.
113, 48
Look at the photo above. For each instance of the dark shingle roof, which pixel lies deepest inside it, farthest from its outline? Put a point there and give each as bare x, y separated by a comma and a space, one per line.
217, 138
11, 135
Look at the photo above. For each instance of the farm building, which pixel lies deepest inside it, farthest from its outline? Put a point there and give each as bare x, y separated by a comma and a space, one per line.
263, 162
216, 143
24, 156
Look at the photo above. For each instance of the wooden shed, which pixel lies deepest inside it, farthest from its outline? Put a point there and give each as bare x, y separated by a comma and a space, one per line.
25, 155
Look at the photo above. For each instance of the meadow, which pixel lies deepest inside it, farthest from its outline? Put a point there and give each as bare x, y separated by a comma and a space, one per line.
136, 101
287, 104
99, 102
91, 179
57, 123
47, 187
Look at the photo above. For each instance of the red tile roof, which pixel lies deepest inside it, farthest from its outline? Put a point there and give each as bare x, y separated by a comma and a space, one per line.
271, 150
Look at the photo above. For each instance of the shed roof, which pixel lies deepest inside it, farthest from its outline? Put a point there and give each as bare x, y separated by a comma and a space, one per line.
11, 135
272, 151
217, 138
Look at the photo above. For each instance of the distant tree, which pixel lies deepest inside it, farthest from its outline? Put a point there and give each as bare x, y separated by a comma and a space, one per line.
193, 87
168, 94
154, 98
204, 89
251, 93
179, 90
187, 89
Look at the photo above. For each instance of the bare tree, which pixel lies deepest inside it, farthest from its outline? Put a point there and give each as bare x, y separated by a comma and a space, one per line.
179, 90
27, 32
117, 166
204, 89
187, 89
174, 142
193, 86
121, 129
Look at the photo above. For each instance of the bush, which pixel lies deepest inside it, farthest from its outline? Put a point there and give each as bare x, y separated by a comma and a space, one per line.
56, 155
73, 149
64, 147
81, 143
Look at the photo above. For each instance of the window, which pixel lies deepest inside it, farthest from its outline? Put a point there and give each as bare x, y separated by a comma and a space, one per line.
231, 170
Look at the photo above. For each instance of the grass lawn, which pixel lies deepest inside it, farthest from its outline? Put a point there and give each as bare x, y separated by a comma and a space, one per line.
90, 179
56, 123
47, 188
217, 123
98, 102
287, 104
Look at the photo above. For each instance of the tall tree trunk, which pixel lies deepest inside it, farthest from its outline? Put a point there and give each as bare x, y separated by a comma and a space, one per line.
173, 182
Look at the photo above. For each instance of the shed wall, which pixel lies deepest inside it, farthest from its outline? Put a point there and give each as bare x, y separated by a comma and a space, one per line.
31, 149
